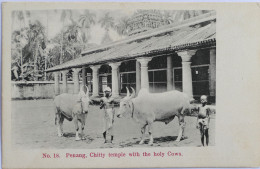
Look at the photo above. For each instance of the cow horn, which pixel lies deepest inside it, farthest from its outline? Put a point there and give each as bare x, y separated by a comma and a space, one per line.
133, 93
127, 92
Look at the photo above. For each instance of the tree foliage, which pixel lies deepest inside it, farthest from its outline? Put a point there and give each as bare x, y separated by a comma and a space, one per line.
32, 52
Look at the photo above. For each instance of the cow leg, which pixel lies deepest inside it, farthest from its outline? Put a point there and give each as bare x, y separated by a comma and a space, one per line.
82, 126
59, 120
58, 126
61, 124
75, 120
143, 134
181, 129
82, 132
105, 136
150, 134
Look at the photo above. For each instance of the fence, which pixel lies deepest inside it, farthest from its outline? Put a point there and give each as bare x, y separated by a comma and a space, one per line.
37, 89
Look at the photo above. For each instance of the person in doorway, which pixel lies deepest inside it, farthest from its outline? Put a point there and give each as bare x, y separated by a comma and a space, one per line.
203, 119
107, 103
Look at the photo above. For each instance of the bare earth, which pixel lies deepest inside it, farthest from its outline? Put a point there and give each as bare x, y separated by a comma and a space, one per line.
33, 127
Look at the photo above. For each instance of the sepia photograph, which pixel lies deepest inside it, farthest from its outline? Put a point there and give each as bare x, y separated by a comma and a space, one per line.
91, 78
130, 85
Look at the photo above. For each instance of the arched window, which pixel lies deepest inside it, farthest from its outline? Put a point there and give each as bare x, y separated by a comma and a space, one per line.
88, 77
200, 73
157, 71
105, 78
127, 72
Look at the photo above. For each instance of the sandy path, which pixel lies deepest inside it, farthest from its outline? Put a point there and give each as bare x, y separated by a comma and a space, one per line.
33, 127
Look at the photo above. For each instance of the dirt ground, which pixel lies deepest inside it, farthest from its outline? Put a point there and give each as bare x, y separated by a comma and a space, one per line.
33, 127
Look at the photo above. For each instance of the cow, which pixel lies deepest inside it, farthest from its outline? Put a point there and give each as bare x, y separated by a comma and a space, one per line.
147, 108
72, 107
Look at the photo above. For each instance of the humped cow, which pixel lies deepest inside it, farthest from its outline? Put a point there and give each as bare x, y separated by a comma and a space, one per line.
72, 107
147, 108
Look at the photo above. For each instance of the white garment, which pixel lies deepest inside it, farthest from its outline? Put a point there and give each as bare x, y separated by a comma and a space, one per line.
109, 120
204, 123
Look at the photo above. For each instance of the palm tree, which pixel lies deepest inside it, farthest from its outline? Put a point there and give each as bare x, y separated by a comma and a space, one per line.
30, 41
23, 18
71, 46
36, 43
65, 14
85, 21
47, 44
122, 26
20, 16
107, 22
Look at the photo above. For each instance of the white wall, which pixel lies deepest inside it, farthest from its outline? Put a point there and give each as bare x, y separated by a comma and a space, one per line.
37, 90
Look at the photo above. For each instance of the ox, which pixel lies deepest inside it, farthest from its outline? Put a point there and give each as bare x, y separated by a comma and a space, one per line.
147, 108
72, 107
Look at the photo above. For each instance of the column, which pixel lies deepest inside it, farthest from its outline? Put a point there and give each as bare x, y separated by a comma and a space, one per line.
83, 75
95, 79
64, 81
56, 83
212, 73
144, 72
76, 79
169, 73
138, 77
186, 71
173, 82
115, 89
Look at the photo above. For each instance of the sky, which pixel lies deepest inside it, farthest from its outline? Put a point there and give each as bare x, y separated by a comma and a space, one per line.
52, 17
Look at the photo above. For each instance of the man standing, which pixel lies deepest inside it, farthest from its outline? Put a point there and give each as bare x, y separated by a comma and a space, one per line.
107, 103
203, 119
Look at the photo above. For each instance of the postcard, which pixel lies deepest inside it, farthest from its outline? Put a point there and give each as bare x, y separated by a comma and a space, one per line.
130, 84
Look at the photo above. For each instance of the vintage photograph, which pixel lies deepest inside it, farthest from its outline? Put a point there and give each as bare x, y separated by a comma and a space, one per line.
96, 78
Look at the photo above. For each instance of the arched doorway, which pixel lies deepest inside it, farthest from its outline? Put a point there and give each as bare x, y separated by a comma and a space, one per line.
200, 73
105, 78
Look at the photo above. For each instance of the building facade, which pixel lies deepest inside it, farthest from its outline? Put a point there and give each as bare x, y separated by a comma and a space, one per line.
180, 56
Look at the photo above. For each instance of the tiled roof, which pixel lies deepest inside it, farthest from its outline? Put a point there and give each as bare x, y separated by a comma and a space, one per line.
172, 39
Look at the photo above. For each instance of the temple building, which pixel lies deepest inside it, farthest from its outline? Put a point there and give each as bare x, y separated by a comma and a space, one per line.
180, 56
144, 20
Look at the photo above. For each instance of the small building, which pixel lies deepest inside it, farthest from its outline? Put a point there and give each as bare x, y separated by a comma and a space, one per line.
180, 56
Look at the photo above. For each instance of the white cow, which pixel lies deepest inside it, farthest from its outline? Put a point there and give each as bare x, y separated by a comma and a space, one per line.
72, 107
148, 108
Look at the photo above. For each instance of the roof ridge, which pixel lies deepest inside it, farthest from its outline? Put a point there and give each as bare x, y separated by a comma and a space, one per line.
175, 47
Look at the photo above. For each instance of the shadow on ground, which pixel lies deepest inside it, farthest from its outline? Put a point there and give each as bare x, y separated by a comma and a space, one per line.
157, 141
68, 135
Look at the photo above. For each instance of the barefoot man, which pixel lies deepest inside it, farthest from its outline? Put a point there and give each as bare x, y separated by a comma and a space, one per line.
107, 103
203, 119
